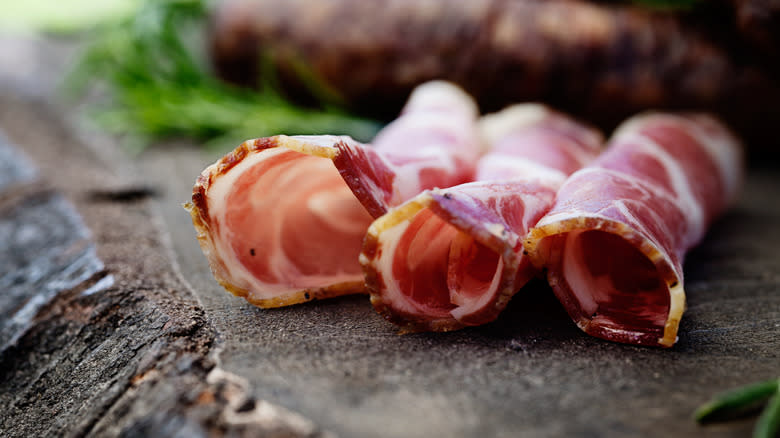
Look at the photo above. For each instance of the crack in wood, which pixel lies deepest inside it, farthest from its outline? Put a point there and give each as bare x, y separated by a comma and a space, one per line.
105, 348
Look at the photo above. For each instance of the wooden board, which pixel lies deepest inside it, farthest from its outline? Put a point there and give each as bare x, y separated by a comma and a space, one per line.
145, 343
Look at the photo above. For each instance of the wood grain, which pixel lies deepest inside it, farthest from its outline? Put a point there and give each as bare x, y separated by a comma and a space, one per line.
162, 350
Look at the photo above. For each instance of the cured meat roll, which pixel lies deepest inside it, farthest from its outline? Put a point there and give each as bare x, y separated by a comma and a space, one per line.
281, 219
433, 143
613, 244
453, 257
603, 61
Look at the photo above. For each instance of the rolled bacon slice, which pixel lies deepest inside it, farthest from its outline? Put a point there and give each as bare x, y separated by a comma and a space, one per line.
281, 219
613, 244
451, 258
433, 143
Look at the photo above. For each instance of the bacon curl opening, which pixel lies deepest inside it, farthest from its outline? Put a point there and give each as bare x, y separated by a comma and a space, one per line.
277, 222
614, 243
451, 258
282, 219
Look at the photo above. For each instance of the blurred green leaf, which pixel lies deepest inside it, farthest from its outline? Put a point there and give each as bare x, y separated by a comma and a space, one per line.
768, 425
749, 398
731, 403
159, 85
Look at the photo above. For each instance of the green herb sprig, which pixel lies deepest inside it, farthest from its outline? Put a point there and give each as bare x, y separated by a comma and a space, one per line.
157, 84
742, 400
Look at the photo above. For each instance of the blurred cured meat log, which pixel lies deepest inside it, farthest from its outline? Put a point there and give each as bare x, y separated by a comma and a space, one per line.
759, 23
600, 62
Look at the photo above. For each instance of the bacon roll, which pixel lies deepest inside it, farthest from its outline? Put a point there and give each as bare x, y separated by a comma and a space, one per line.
450, 258
281, 219
613, 244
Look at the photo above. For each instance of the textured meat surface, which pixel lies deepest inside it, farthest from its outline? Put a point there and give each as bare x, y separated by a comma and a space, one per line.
614, 242
451, 258
282, 219
278, 224
759, 23
433, 143
602, 62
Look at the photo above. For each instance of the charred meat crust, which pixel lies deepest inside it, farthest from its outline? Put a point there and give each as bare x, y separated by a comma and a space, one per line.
602, 62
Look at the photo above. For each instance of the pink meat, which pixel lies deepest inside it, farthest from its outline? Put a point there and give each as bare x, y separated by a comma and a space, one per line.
450, 258
613, 244
433, 143
282, 219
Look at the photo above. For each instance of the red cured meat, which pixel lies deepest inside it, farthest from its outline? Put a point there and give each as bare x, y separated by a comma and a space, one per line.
433, 143
450, 258
282, 219
613, 244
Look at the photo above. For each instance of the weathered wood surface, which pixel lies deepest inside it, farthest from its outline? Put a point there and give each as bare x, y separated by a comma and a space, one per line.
145, 343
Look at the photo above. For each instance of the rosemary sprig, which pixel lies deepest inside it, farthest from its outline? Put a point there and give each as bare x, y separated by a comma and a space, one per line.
739, 401
768, 425
158, 85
